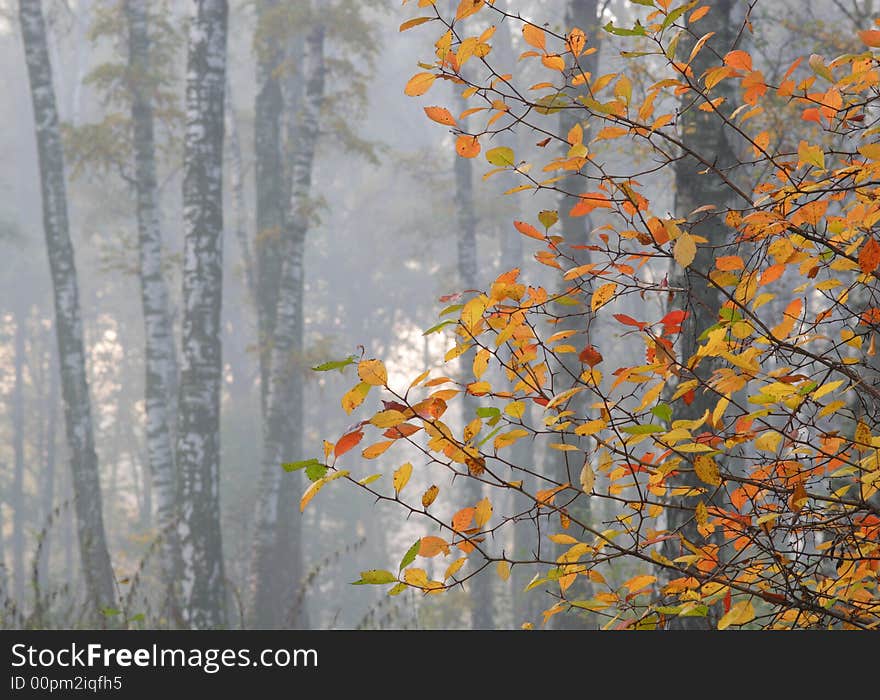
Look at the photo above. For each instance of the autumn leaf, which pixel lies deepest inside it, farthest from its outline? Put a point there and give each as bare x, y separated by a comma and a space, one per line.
685, 250
482, 512
441, 115
534, 36
355, 396
401, 477
375, 576
462, 519
739, 614
602, 296
528, 230
430, 495
587, 478
419, 84
432, 546
372, 372
501, 156
871, 37
869, 256
503, 570
707, 470
346, 442
467, 146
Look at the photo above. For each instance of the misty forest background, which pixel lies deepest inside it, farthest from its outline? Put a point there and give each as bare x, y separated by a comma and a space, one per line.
345, 216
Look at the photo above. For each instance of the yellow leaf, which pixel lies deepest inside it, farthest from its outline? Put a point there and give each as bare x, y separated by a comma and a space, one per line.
483, 512
401, 476
354, 397
685, 250
372, 372
312, 491
481, 362
707, 470
602, 295
503, 569
588, 477
430, 495
387, 419
534, 36
768, 441
810, 155
453, 568
863, 436
472, 312
416, 577
739, 614
701, 514
419, 84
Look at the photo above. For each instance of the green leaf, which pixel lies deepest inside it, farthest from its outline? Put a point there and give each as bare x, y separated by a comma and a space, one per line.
110, 612
410, 555
663, 412
375, 576
675, 14
637, 30
335, 364
316, 471
696, 611
439, 326
643, 429
550, 104
488, 412
501, 156
399, 588
296, 466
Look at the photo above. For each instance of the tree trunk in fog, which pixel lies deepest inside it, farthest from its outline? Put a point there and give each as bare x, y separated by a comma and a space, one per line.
236, 177
198, 435
561, 466
48, 480
276, 532
706, 135
481, 585
4, 579
96, 564
18, 504
269, 182
159, 354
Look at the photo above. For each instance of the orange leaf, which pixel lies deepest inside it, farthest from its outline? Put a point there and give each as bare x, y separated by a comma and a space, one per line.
467, 146
576, 41
771, 274
347, 441
441, 115
869, 256
590, 356
588, 202
729, 263
432, 546
466, 8
528, 230
534, 36
871, 37
739, 59
462, 519
419, 84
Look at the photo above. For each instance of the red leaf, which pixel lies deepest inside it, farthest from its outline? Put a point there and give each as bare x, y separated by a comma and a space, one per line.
346, 442
688, 397
590, 356
674, 318
869, 256
629, 321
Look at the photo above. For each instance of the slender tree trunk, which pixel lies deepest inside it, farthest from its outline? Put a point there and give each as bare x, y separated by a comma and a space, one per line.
198, 435
236, 177
159, 355
283, 425
96, 565
18, 504
706, 135
4, 578
269, 181
51, 411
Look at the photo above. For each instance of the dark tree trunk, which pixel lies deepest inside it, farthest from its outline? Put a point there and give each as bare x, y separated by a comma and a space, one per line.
269, 181
276, 531
706, 135
198, 435
96, 566
159, 355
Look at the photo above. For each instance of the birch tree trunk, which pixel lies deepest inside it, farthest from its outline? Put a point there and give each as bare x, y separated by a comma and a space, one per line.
18, 504
706, 135
95, 557
198, 435
48, 480
283, 424
159, 355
